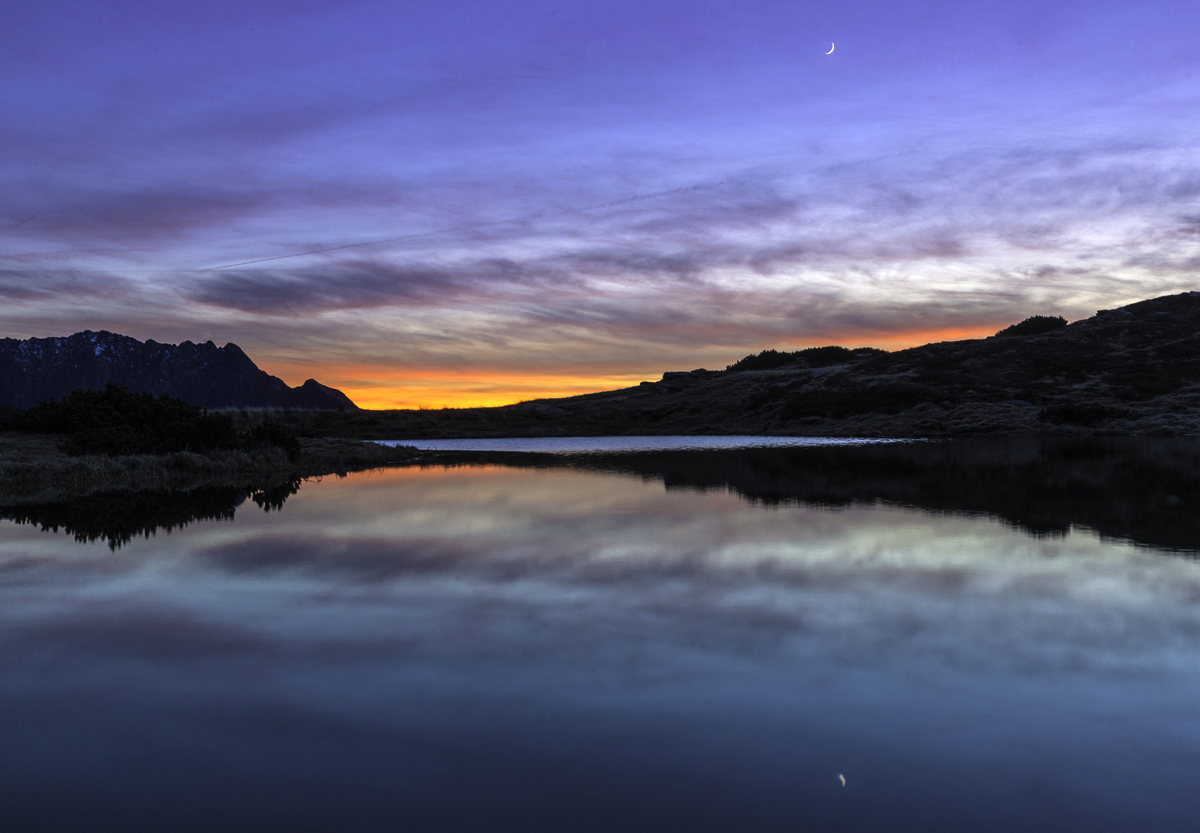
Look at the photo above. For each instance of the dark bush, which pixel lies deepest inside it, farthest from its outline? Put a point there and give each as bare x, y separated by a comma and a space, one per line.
766, 360
117, 421
1034, 325
1083, 413
1137, 384
273, 433
826, 356
875, 399
810, 356
767, 393
1185, 349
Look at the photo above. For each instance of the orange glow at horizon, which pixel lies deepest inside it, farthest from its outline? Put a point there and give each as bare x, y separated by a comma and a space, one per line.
377, 387
482, 391
902, 341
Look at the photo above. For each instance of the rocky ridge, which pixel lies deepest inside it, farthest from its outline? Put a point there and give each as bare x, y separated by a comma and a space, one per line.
38, 369
1133, 370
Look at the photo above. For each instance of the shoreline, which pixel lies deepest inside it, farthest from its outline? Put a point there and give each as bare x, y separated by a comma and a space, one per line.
34, 468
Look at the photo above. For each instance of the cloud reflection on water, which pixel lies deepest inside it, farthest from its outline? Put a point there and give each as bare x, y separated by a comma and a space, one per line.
857, 582
564, 639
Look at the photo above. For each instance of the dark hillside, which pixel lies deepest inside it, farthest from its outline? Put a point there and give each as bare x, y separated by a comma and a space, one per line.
1129, 370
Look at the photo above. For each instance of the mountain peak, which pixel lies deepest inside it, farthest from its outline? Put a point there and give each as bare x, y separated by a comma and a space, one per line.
38, 369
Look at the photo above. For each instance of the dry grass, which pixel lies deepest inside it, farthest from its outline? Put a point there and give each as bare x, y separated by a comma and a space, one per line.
34, 467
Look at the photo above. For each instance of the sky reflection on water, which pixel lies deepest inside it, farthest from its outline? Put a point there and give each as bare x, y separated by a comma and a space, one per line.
608, 445
479, 647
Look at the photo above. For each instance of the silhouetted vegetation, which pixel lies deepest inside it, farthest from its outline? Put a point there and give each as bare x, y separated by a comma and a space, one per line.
1138, 384
1083, 413
766, 360
36, 468
272, 433
1034, 325
116, 421
883, 398
810, 357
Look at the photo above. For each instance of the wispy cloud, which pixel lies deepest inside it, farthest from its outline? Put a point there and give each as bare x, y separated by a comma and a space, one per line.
60, 285
554, 188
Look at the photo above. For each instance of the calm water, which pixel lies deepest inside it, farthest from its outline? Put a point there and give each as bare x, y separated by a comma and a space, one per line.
665, 641
599, 445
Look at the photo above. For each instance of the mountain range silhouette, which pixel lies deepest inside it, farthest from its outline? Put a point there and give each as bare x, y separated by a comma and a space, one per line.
38, 369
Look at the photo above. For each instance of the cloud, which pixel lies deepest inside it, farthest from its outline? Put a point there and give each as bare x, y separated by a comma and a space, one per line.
141, 223
312, 290
536, 231
549, 556
152, 633
28, 285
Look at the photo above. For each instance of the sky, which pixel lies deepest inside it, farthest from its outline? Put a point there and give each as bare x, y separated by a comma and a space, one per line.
476, 203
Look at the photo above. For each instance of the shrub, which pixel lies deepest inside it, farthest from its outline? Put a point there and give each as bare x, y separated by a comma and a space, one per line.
766, 360
116, 421
810, 356
273, 433
1034, 325
1135, 384
884, 398
1083, 413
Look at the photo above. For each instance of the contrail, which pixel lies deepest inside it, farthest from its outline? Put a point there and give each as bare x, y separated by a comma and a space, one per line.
526, 218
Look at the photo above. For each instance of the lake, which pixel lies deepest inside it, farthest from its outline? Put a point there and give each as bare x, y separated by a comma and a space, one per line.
972, 635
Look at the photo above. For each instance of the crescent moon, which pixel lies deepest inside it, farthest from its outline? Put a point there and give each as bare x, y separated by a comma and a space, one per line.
831, 48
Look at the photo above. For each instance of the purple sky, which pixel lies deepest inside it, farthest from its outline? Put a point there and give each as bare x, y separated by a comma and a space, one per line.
481, 202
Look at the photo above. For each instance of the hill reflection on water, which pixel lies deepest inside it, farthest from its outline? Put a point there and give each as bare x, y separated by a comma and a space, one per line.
118, 517
1142, 490
634, 642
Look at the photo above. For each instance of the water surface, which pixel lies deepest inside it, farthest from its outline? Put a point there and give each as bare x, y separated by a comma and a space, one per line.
604, 445
699, 641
